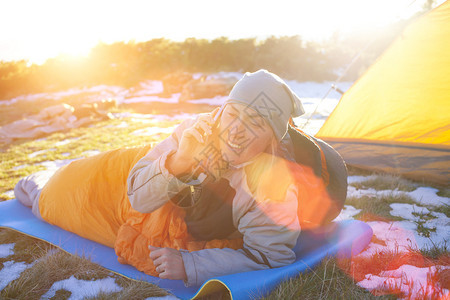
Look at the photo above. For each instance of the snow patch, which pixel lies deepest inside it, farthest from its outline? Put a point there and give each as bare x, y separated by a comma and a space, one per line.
81, 289
65, 142
37, 153
216, 101
152, 98
436, 225
354, 192
6, 250
168, 297
132, 115
428, 196
219, 75
56, 164
182, 116
135, 116
123, 124
100, 92
347, 213
142, 121
393, 235
318, 100
310, 89
153, 130
353, 179
11, 271
90, 153
20, 167
411, 280
9, 194
408, 211
150, 87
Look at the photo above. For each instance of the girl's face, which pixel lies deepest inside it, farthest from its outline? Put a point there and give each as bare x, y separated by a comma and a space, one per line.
243, 133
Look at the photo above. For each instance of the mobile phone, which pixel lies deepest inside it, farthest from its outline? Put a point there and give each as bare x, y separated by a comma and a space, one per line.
217, 117
216, 123
204, 174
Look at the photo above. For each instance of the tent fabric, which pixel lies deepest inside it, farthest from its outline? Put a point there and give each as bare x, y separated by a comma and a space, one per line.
420, 164
343, 239
401, 106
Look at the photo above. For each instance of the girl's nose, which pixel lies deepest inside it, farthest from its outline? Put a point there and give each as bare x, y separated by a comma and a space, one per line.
237, 132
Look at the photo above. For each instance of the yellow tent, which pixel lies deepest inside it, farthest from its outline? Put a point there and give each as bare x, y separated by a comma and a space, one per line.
396, 117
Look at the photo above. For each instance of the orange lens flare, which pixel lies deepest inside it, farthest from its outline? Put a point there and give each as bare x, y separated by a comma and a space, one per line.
278, 184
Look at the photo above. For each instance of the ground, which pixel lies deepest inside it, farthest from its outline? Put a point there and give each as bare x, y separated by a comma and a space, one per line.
407, 257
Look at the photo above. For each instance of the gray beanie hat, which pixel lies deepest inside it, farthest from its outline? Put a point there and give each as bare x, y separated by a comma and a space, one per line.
270, 96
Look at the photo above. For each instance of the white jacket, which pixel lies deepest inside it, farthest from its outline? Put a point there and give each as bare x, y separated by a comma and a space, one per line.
269, 229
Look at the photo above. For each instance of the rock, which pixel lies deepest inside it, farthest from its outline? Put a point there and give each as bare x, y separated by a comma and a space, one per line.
174, 82
207, 88
107, 104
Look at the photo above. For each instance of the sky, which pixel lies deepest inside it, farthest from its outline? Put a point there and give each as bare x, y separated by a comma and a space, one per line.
38, 30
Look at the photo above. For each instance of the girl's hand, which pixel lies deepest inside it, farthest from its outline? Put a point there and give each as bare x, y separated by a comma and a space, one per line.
168, 262
192, 143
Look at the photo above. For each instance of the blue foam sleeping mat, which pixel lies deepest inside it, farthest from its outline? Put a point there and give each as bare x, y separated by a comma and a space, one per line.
344, 239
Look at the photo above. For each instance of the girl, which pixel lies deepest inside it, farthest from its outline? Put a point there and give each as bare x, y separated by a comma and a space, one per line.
227, 192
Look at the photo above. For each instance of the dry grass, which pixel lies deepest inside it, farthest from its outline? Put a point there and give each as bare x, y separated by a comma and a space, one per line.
329, 280
386, 182
357, 267
353, 171
58, 265
377, 207
50, 264
132, 290
444, 193
26, 249
49, 268
445, 209
16, 163
326, 281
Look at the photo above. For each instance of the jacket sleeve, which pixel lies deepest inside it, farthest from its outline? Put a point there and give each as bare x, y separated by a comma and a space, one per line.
270, 231
149, 183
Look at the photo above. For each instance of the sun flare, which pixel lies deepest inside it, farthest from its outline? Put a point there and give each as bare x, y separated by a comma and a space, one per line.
38, 30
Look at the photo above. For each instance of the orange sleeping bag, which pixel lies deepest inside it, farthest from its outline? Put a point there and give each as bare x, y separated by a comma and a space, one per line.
89, 197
